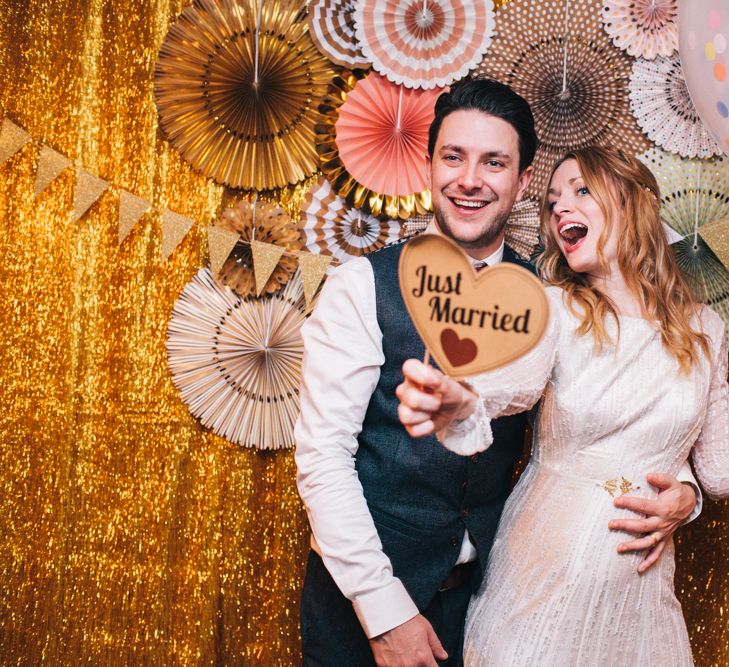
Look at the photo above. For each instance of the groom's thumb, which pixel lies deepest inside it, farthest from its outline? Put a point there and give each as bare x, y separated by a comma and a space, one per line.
439, 653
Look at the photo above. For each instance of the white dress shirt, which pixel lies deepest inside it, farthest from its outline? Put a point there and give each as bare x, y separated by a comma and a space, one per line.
341, 368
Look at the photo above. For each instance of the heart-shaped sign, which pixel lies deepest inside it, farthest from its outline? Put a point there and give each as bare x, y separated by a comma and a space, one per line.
471, 322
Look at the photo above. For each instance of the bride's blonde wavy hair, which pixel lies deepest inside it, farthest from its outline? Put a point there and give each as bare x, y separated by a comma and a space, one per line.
644, 257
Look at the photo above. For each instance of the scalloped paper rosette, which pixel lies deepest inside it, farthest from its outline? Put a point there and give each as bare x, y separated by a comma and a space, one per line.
694, 193
662, 106
266, 223
528, 54
331, 227
237, 104
373, 149
643, 28
237, 362
331, 26
424, 43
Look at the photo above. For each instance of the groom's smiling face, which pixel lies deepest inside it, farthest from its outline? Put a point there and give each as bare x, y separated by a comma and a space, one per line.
475, 179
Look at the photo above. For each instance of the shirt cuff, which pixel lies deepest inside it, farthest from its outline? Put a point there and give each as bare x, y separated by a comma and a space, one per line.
384, 609
468, 436
699, 502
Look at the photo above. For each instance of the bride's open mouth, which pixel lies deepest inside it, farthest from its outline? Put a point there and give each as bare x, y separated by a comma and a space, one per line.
573, 234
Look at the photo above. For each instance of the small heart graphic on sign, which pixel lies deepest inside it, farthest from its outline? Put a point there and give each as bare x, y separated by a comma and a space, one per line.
458, 350
470, 322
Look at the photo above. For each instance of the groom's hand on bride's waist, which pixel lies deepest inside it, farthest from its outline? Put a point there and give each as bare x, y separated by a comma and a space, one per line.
411, 644
662, 516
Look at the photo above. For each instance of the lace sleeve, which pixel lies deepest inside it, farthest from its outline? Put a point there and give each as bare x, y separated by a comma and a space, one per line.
513, 388
711, 450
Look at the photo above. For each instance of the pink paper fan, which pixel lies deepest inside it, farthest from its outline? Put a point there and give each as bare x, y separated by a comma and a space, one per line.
424, 43
643, 28
382, 135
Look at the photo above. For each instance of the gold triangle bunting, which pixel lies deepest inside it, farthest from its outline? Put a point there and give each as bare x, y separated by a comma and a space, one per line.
12, 139
131, 209
174, 229
716, 235
265, 259
50, 164
220, 243
313, 267
88, 190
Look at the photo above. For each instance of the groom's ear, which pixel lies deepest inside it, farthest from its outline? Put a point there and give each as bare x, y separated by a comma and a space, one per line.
524, 179
428, 171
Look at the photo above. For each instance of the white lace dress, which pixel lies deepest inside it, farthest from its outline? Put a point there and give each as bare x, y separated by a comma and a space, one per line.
556, 591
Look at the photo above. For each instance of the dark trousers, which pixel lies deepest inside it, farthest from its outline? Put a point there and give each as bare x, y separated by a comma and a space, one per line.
332, 636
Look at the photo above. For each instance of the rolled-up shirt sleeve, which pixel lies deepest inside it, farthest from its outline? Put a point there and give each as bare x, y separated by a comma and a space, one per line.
341, 368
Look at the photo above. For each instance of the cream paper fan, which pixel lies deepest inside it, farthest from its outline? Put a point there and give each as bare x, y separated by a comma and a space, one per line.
574, 79
237, 362
660, 102
643, 28
330, 226
694, 193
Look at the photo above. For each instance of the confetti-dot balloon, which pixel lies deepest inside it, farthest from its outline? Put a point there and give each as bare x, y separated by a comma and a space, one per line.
703, 33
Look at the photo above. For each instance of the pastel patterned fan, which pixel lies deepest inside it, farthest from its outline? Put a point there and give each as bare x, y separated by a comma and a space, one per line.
330, 226
424, 43
557, 56
234, 85
372, 143
237, 362
695, 193
661, 104
643, 28
331, 26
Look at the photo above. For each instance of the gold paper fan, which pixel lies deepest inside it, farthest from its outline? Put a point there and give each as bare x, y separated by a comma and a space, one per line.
345, 185
237, 101
237, 362
272, 225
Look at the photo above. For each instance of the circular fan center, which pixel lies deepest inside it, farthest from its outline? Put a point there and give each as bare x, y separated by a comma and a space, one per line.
359, 227
654, 15
424, 20
242, 255
575, 114
257, 101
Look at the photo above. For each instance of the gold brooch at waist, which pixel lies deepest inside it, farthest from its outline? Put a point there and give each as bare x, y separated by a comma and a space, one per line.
619, 486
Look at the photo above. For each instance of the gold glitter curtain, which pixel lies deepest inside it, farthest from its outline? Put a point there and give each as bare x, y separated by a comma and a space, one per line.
128, 534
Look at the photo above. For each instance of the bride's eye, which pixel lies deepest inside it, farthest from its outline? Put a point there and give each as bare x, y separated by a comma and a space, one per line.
583, 191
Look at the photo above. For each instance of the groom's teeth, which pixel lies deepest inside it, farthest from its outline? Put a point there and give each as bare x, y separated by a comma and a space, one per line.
469, 203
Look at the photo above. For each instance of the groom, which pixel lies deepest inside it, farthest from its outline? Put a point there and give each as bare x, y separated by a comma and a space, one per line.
402, 528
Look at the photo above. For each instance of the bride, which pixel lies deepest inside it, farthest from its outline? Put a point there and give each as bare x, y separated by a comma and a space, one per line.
632, 377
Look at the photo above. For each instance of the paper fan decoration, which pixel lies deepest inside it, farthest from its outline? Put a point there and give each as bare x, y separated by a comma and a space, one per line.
331, 26
643, 28
237, 362
522, 228
662, 106
695, 193
237, 102
424, 43
577, 87
372, 142
272, 225
331, 227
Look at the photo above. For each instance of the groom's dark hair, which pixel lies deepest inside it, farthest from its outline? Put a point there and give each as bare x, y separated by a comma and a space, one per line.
492, 98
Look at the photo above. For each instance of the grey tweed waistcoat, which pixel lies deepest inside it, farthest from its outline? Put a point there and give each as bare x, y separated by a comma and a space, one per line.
423, 497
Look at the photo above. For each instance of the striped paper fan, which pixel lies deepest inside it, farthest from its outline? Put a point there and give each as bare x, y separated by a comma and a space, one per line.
331, 26
693, 194
643, 28
331, 227
660, 102
237, 362
424, 43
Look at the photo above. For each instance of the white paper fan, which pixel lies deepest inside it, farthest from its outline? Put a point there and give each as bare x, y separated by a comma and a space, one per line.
660, 102
643, 28
237, 362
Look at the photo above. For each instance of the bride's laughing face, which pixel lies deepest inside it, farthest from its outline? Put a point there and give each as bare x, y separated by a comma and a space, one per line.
577, 222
